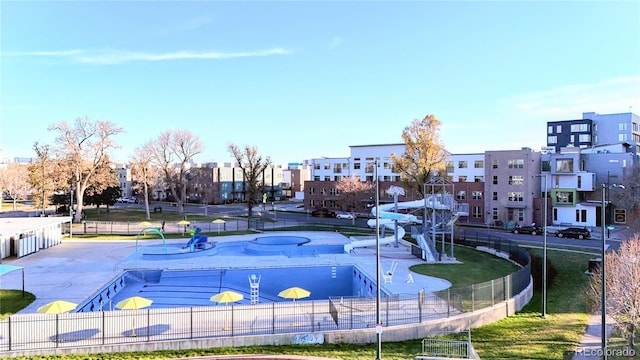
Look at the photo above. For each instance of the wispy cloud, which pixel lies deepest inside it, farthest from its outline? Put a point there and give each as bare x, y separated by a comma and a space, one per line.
614, 95
112, 57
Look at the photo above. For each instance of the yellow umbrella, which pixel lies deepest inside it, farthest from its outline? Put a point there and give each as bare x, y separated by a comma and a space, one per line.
57, 307
294, 293
227, 297
134, 303
219, 222
185, 223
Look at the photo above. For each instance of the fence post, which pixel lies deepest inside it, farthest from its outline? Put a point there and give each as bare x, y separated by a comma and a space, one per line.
473, 297
493, 294
448, 302
148, 325
9, 336
273, 318
104, 326
191, 322
313, 317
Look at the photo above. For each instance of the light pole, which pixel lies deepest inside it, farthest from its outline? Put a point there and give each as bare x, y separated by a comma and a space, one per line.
603, 299
544, 249
378, 324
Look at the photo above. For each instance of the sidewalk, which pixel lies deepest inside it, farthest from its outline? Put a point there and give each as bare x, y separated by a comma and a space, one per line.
591, 346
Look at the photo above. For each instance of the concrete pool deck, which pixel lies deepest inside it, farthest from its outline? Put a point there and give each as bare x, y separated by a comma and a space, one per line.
77, 268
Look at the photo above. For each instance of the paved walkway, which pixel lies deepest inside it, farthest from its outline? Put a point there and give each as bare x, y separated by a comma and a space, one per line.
591, 346
76, 269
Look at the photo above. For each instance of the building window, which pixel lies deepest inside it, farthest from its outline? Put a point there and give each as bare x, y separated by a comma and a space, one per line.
476, 195
549, 129
579, 181
495, 164
579, 127
564, 198
316, 177
356, 166
462, 178
461, 195
516, 179
622, 126
494, 214
584, 138
495, 179
520, 214
369, 167
476, 212
478, 164
386, 165
516, 164
478, 178
555, 214
327, 166
558, 129
623, 137
564, 165
327, 178
312, 190
462, 164
323, 191
495, 196
334, 192
337, 168
316, 166
516, 196
545, 165
552, 139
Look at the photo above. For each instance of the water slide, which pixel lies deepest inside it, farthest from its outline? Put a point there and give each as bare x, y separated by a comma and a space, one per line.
388, 216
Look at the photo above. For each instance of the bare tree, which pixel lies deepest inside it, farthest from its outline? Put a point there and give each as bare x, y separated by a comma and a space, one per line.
622, 288
424, 156
353, 192
83, 147
252, 165
144, 172
13, 181
173, 152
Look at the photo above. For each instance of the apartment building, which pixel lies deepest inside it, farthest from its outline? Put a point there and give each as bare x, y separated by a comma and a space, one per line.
511, 185
466, 172
596, 130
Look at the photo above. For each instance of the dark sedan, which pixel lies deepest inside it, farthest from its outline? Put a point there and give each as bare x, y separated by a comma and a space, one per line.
574, 232
533, 230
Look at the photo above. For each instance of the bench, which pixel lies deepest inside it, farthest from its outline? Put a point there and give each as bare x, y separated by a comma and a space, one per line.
174, 204
157, 209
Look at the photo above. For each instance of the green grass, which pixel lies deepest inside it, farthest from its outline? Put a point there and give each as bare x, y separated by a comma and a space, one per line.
12, 301
475, 267
524, 335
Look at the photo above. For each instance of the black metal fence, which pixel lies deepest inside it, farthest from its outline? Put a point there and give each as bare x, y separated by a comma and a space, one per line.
38, 331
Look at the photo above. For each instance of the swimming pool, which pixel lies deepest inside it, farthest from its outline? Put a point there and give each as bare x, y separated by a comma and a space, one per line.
290, 246
186, 288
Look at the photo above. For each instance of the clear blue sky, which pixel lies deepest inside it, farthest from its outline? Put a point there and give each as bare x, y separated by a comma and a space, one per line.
302, 79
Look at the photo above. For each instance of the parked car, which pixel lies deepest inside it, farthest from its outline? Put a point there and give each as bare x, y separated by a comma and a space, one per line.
574, 232
323, 213
530, 229
347, 216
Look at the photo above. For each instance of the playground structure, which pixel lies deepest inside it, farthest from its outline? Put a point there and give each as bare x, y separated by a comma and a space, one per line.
440, 213
196, 241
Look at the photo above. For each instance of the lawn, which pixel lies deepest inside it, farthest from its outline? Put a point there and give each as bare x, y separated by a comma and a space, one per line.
524, 335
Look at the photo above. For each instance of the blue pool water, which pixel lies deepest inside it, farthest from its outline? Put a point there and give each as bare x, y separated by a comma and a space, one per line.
290, 246
186, 288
